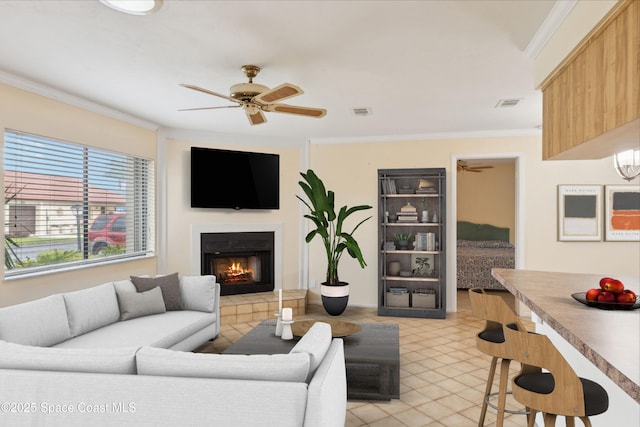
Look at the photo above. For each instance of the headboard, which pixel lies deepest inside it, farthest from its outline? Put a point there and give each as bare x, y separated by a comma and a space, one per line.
472, 231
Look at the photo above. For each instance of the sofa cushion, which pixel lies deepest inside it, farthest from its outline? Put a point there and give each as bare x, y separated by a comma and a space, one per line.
315, 342
124, 286
169, 284
99, 360
138, 304
263, 367
91, 308
41, 322
198, 293
158, 330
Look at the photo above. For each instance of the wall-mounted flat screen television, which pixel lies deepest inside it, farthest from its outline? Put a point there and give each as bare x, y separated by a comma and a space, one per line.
234, 179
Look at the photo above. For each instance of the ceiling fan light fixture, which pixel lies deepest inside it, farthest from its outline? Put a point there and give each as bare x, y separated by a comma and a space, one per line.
247, 91
251, 109
256, 98
134, 7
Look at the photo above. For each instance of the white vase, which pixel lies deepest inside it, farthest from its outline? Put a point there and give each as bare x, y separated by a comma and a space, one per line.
394, 268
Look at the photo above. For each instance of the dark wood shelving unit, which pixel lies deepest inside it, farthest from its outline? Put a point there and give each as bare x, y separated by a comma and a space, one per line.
418, 289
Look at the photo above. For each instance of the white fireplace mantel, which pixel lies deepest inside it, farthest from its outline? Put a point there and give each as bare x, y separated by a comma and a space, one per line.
276, 228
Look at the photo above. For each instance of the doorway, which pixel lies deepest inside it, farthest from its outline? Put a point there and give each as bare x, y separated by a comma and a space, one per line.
485, 189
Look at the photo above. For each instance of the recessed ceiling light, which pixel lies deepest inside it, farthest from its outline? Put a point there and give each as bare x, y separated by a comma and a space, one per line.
134, 7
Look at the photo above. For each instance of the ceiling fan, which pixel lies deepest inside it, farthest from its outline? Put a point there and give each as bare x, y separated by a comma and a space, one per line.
255, 98
464, 167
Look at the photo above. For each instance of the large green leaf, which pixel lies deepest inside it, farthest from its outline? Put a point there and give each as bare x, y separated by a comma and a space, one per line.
329, 226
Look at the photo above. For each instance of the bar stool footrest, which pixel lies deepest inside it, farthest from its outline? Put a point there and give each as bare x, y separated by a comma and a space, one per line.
508, 411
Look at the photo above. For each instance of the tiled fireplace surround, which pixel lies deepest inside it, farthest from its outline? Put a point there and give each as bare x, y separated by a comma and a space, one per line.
261, 306
250, 307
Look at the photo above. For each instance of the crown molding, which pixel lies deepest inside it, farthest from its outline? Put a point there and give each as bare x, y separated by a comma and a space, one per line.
430, 136
230, 138
76, 101
554, 19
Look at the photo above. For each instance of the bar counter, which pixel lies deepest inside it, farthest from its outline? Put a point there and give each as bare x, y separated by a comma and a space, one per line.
610, 339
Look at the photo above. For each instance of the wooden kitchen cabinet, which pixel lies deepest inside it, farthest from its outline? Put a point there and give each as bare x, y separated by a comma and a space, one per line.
591, 102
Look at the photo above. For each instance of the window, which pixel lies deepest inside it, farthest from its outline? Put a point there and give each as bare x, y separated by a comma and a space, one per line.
68, 204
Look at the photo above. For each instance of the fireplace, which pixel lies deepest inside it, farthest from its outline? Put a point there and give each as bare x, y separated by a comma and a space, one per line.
243, 262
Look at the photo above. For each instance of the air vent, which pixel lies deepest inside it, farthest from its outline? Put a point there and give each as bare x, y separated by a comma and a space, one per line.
362, 111
506, 103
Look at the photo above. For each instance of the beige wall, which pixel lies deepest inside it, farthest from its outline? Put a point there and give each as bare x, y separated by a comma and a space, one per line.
488, 197
27, 112
351, 170
180, 216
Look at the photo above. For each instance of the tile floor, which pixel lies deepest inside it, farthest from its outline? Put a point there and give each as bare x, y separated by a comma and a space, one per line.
442, 375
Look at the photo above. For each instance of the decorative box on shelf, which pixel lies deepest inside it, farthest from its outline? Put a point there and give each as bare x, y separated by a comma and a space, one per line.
398, 297
424, 298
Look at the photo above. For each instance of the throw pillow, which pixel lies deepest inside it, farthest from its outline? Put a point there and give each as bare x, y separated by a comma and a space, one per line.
134, 304
170, 286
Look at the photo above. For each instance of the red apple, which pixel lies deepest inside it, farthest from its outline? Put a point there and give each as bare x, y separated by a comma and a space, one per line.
592, 294
626, 297
614, 285
606, 296
604, 281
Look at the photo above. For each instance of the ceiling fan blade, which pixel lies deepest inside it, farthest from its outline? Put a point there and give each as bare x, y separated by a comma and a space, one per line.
207, 91
472, 170
479, 167
256, 117
278, 93
210, 108
292, 109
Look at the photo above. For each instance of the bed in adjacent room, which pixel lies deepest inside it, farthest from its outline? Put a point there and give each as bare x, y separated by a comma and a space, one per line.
480, 248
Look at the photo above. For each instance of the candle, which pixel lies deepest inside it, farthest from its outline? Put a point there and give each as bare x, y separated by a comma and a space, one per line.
279, 300
287, 314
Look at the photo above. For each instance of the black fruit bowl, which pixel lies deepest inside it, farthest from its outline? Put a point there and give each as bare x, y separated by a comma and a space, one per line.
581, 297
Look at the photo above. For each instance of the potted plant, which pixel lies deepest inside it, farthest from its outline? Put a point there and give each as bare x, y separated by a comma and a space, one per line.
329, 226
403, 240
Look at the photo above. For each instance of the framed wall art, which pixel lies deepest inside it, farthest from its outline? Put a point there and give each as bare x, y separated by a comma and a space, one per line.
622, 213
579, 213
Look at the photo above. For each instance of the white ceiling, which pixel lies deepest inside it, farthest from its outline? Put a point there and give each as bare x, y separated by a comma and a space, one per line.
422, 67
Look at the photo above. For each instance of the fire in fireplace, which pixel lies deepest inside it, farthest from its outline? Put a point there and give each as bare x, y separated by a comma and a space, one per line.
239, 270
242, 262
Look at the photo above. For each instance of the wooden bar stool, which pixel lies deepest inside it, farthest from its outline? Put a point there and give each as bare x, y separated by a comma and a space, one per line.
495, 311
556, 392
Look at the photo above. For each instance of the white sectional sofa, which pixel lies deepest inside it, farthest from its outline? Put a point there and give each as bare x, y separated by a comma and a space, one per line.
71, 360
116, 315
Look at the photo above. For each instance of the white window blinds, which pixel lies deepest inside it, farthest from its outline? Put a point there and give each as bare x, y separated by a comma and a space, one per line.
69, 204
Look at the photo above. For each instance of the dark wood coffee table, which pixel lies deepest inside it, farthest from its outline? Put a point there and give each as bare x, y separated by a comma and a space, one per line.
372, 357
